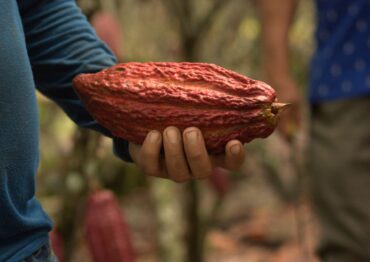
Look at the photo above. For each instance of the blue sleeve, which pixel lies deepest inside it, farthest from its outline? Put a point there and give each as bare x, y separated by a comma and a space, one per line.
61, 44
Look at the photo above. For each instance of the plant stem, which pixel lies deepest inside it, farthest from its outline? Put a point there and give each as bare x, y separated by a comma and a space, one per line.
193, 243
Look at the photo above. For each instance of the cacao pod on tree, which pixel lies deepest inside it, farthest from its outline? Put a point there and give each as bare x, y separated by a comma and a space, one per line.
220, 181
130, 99
107, 233
57, 244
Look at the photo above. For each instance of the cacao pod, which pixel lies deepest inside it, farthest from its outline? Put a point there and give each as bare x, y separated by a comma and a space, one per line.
107, 233
220, 181
57, 244
130, 99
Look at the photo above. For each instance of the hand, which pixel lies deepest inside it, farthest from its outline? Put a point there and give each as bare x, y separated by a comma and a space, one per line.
185, 155
290, 120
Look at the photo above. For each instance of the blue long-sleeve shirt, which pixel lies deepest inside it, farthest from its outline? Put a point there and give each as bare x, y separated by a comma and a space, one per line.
43, 45
340, 67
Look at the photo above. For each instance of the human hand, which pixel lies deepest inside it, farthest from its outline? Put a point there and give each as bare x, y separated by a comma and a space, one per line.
185, 155
288, 92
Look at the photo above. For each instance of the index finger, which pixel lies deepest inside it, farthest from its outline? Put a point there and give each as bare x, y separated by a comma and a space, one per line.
149, 156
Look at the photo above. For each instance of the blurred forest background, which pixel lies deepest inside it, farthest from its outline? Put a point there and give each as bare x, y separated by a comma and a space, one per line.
261, 213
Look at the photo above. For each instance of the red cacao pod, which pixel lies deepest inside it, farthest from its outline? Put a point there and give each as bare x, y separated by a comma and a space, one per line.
220, 181
130, 99
106, 231
57, 244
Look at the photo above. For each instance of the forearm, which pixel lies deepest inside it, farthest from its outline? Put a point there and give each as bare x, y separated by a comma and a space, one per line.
276, 18
61, 44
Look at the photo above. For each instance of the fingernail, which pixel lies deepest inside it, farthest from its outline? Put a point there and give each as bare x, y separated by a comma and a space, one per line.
235, 149
192, 137
154, 136
172, 135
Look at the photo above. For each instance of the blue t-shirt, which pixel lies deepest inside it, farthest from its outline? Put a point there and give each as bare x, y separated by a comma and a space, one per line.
341, 64
43, 44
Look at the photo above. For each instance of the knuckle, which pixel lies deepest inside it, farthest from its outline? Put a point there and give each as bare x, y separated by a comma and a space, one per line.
148, 170
195, 156
148, 154
175, 166
151, 158
174, 156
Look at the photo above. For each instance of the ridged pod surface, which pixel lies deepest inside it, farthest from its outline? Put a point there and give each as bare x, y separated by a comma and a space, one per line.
130, 99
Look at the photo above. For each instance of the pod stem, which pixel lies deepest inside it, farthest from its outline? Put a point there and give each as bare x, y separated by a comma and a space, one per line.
277, 108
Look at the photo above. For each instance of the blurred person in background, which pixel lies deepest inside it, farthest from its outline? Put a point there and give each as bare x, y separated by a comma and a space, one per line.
44, 44
339, 102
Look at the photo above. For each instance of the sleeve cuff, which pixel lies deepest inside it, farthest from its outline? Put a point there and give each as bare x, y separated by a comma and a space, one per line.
120, 149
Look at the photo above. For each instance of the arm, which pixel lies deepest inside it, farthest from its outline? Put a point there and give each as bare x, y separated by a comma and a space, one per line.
61, 44
276, 18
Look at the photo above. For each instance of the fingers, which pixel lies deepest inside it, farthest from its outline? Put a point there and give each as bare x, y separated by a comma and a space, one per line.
234, 155
233, 158
186, 156
196, 153
147, 156
176, 164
